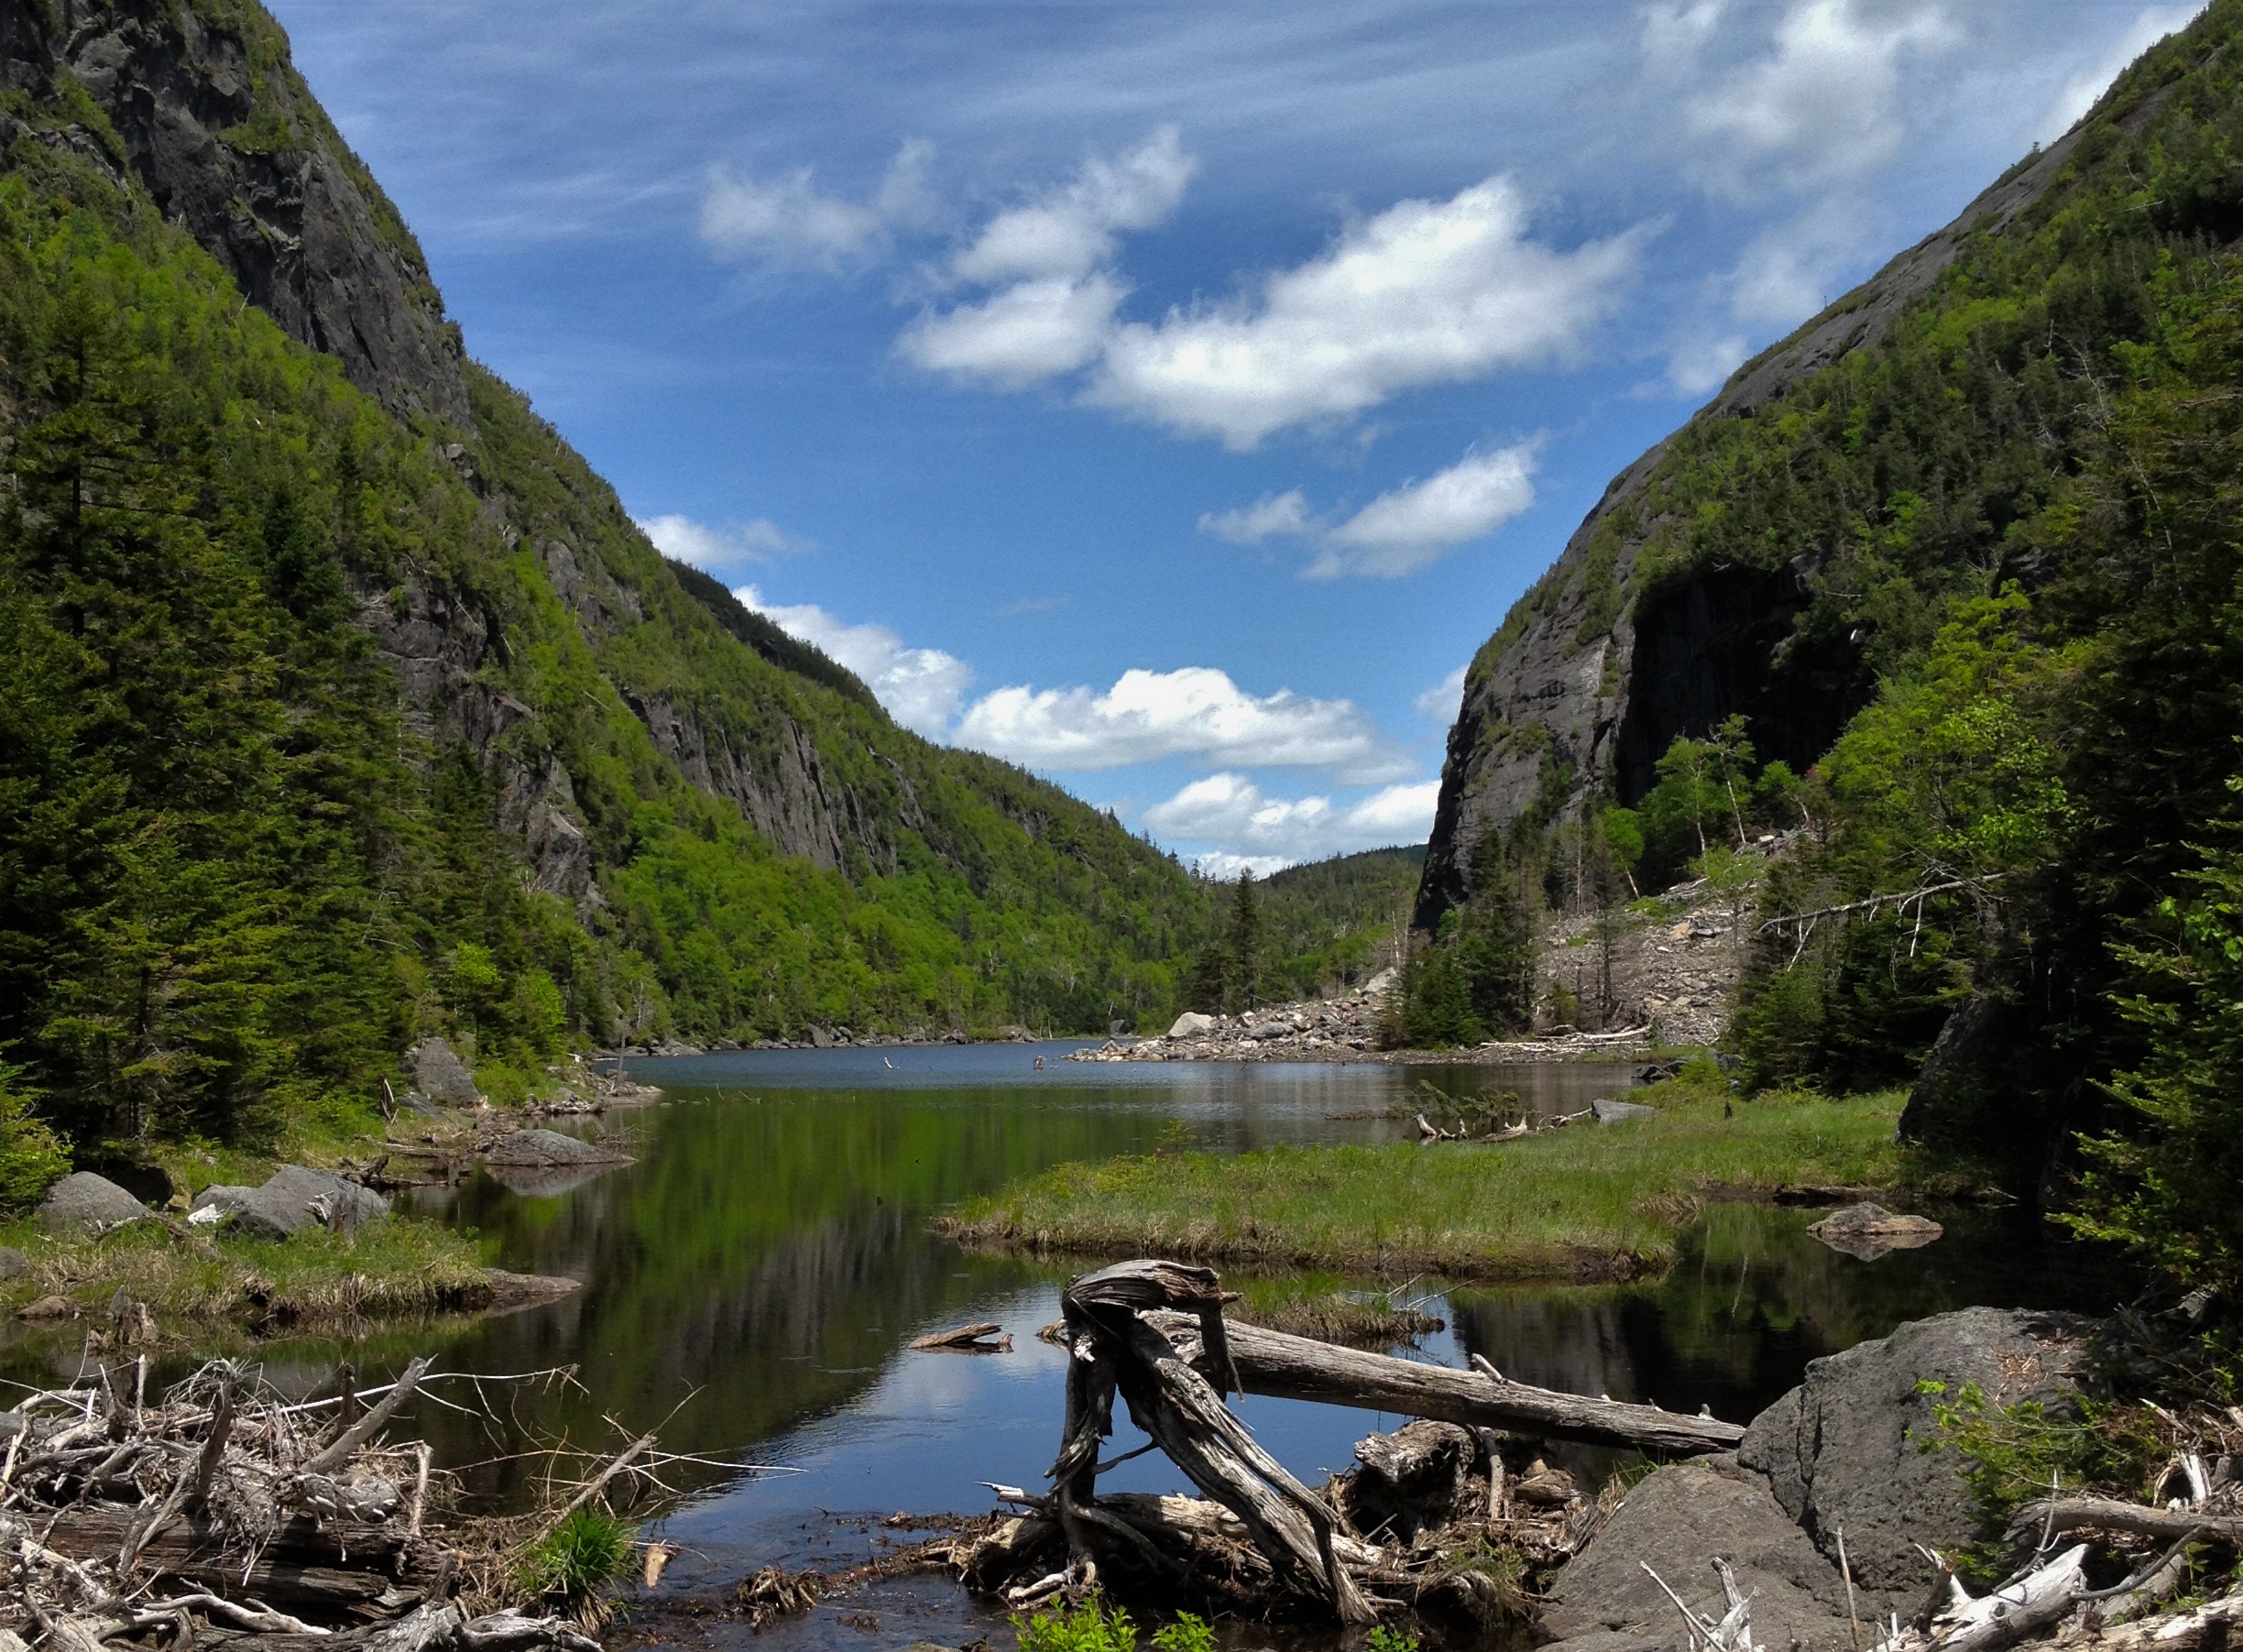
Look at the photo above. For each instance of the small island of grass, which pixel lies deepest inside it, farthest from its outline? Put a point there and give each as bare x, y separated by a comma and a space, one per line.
1586, 1203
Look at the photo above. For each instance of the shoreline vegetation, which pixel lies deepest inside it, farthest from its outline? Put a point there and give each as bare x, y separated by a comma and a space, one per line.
1589, 1203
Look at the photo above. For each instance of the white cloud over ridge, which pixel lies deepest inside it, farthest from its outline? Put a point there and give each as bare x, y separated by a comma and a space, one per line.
722, 551
1196, 712
1264, 832
1427, 292
1444, 699
1404, 529
2080, 92
789, 220
922, 688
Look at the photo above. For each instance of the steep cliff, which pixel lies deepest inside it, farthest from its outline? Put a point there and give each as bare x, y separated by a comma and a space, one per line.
1644, 629
340, 701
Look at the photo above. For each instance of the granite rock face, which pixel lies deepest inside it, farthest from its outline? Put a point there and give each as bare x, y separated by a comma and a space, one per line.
1559, 685
234, 148
1847, 1447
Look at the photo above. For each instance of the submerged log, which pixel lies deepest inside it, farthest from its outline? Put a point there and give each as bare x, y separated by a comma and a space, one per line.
967, 1339
1287, 1367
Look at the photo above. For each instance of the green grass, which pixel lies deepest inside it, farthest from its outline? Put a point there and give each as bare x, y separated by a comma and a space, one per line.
1586, 1203
394, 1268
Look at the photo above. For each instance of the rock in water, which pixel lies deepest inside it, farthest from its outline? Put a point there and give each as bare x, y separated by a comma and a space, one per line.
1867, 1231
1192, 1024
1844, 1448
440, 1075
1609, 1111
1674, 1522
544, 1148
85, 1203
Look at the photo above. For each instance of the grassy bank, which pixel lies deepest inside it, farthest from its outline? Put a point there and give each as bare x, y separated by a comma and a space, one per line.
1587, 1202
394, 1268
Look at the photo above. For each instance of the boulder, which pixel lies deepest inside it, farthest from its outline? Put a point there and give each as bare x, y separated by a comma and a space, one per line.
1867, 1231
14, 1264
82, 1202
544, 1148
1609, 1111
1844, 1448
1382, 982
440, 1075
1675, 1522
252, 1211
292, 1198
1192, 1024
1264, 1032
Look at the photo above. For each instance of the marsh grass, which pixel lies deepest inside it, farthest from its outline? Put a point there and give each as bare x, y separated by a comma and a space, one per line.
1587, 1202
394, 1268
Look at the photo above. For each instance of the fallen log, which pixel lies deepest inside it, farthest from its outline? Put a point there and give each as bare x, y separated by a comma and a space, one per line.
2209, 1626
965, 1338
1285, 1367
2058, 1516
330, 1566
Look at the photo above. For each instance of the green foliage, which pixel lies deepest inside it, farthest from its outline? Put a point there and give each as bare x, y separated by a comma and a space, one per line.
1384, 1640
1476, 979
2013, 1454
588, 1551
1093, 1626
32, 1158
1334, 924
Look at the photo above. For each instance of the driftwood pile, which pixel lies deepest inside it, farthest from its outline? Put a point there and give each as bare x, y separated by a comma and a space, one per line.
218, 1511
1453, 1513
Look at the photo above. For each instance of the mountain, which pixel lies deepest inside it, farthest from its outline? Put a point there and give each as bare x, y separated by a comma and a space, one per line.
342, 704
1948, 585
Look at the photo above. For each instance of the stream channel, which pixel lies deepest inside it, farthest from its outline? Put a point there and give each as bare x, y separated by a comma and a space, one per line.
751, 1281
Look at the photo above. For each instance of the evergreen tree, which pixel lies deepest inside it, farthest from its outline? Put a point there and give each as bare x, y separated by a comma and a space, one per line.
1242, 947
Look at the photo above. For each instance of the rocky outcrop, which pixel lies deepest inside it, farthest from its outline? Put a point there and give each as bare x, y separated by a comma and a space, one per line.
1583, 687
1845, 1449
440, 1075
214, 121
82, 1202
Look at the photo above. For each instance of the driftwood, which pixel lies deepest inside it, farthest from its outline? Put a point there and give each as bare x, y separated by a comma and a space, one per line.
2058, 1516
983, 1337
1287, 1367
1731, 1632
1954, 1621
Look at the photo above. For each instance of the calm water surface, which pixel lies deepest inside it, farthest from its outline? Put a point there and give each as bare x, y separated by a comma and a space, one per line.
750, 1282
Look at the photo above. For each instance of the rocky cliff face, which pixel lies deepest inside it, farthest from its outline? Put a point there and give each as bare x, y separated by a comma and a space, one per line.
203, 110
1586, 684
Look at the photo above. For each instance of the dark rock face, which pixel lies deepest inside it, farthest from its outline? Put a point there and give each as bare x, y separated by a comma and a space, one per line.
1674, 1522
1844, 1448
237, 153
1565, 691
85, 1203
440, 1075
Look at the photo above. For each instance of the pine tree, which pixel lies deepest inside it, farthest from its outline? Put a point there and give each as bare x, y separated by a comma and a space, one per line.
1242, 947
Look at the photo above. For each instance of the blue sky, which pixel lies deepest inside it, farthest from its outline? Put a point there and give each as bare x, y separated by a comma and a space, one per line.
1168, 396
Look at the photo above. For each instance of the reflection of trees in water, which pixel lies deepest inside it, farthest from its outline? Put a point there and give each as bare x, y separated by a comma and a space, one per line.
1752, 1298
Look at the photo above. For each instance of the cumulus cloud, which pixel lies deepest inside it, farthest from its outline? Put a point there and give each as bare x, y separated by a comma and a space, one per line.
722, 551
788, 219
1701, 364
920, 687
1820, 103
1264, 832
1055, 295
1444, 699
2081, 90
1402, 530
1196, 712
1426, 292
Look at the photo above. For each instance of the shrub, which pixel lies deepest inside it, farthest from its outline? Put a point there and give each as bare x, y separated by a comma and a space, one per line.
579, 1557
31, 1157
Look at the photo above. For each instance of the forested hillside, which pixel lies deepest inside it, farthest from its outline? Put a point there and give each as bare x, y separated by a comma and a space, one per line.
341, 702
1965, 550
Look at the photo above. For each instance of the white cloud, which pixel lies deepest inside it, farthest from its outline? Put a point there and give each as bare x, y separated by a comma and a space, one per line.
1444, 699
1196, 712
1029, 331
1414, 524
1273, 516
1055, 297
1820, 104
1426, 292
920, 687
1700, 364
1226, 867
2081, 90
1070, 230
1402, 530
721, 551
788, 220
1233, 812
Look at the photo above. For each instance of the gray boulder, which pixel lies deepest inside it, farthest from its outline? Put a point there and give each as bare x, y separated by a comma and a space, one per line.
1267, 1031
1867, 1231
544, 1148
1676, 1521
82, 1202
1191, 1024
293, 1198
14, 1264
253, 1210
1844, 1448
1609, 1111
440, 1075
